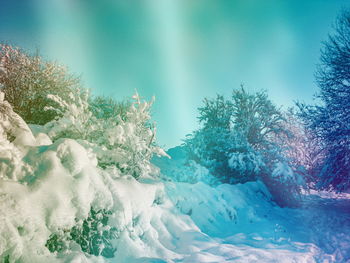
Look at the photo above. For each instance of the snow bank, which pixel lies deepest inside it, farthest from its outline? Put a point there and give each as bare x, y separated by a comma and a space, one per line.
47, 190
242, 223
58, 189
173, 222
178, 168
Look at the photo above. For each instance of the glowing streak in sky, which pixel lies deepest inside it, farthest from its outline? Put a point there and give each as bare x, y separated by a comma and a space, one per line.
176, 76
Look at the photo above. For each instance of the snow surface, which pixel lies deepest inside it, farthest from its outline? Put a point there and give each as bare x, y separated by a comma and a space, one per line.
46, 187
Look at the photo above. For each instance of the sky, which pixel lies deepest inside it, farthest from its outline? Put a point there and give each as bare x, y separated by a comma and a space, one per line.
179, 51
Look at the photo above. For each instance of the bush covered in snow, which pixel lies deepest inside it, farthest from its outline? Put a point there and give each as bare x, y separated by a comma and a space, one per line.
78, 143
225, 153
55, 201
120, 135
26, 81
242, 140
235, 137
284, 185
92, 234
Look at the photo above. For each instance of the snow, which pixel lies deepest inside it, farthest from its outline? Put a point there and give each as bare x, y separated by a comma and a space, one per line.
178, 168
184, 216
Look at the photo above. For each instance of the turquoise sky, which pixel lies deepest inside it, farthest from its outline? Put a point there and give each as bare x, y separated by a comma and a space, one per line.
180, 51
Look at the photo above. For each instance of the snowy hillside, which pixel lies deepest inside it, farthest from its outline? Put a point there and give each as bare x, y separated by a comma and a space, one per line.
82, 180
48, 191
175, 222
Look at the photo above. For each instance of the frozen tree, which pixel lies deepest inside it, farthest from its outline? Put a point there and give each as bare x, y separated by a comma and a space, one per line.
330, 119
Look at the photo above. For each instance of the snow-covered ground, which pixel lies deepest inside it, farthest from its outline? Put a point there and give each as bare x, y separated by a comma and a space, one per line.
249, 227
182, 216
163, 221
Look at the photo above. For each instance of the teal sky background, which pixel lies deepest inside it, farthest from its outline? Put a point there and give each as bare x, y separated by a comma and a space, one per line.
179, 51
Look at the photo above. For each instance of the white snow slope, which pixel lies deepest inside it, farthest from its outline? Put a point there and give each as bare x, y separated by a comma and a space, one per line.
49, 187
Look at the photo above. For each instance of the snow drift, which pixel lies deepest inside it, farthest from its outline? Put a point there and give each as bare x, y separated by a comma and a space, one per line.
58, 205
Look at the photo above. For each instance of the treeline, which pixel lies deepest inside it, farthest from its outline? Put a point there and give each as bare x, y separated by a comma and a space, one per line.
246, 137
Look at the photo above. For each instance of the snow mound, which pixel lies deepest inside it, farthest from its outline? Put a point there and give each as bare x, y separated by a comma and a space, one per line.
155, 221
58, 205
178, 168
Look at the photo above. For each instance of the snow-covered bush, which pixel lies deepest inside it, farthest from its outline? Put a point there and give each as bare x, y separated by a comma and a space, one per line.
245, 165
23, 160
75, 120
225, 153
26, 81
285, 185
216, 149
212, 145
14, 132
209, 147
108, 108
126, 141
235, 140
93, 235
61, 207
243, 139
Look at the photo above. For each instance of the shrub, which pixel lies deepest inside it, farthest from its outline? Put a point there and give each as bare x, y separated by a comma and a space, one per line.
92, 234
284, 185
125, 141
107, 108
243, 139
235, 140
26, 81
226, 154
